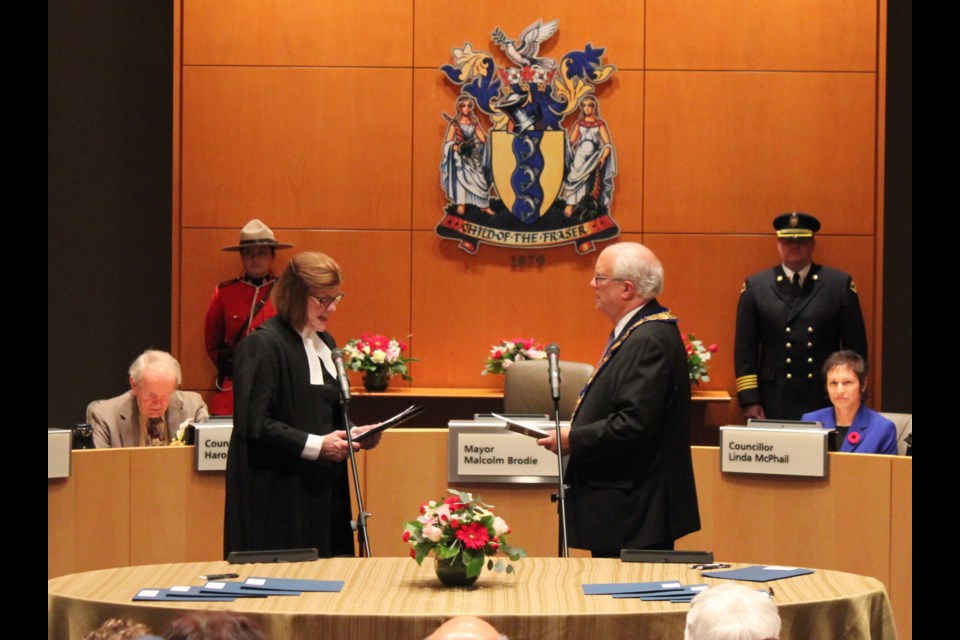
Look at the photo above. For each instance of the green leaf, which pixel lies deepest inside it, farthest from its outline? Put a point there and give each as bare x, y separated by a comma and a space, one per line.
510, 569
474, 566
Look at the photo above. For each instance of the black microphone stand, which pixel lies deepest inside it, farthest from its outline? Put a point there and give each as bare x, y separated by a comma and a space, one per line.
561, 496
360, 524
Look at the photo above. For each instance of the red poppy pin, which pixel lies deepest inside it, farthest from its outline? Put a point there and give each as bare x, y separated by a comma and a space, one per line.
853, 437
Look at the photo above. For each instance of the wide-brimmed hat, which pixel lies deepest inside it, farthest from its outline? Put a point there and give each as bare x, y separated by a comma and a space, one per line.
796, 224
257, 234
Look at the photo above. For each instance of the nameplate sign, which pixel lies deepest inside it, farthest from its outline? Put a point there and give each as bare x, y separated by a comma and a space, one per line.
780, 452
212, 441
59, 443
485, 451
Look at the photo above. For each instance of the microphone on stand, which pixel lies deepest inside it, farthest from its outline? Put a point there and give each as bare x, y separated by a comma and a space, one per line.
553, 363
337, 355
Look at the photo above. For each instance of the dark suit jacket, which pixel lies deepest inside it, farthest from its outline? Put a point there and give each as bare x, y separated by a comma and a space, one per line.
630, 469
781, 344
116, 422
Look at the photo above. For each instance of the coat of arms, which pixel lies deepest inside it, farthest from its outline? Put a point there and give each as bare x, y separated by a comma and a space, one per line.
517, 176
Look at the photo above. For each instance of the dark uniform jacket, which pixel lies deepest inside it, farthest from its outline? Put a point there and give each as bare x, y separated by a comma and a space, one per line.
781, 343
630, 469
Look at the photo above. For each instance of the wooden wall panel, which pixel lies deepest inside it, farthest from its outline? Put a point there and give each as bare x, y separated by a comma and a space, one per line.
621, 106
901, 545
61, 526
725, 152
303, 148
376, 279
616, 26
102, 526
757, 34
462, 304
292, 32
813, 524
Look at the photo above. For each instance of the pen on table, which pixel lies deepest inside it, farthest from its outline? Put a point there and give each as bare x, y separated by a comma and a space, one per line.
219, 576
711, 565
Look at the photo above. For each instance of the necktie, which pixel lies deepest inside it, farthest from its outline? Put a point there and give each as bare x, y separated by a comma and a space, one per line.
608, 345
153, 431
795, 287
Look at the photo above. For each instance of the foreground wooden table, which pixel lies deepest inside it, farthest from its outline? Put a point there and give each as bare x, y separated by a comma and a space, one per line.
393, 598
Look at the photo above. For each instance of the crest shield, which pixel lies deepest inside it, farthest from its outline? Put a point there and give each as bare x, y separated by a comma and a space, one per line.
528, 171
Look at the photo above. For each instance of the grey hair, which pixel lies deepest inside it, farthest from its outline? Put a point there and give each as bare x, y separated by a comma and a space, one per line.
156, 362
732, 612
634, 262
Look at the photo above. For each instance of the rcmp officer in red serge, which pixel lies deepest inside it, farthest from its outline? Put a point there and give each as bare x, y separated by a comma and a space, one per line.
789, 319
240, 305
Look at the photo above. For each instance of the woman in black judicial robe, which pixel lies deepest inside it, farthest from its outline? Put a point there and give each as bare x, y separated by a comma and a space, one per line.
286, 467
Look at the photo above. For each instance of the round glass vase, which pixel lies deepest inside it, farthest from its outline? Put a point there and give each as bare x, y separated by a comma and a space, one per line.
453, 572
377, 380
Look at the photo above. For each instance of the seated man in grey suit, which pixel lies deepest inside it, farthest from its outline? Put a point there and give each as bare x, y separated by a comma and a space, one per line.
150, 414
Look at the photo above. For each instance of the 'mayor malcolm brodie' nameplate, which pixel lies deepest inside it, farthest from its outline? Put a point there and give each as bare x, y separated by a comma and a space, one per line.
781, 452
485, 451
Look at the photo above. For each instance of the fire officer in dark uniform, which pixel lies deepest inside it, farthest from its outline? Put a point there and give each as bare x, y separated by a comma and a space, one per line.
239, 306
789, 319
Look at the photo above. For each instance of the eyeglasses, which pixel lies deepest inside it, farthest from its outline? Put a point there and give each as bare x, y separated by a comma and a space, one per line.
600, 278
326, 301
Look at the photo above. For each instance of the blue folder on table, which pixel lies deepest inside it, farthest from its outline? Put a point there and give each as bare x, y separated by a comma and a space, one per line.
611, 588
177, 595
238, 589
684, 593
758, 573
292, 584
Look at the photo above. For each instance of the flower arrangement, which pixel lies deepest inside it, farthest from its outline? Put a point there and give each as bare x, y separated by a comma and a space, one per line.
375, 353
180, 437
461, 529
697, 357
509, 351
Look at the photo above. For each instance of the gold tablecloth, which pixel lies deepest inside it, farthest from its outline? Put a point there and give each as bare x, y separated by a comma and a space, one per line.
393, 598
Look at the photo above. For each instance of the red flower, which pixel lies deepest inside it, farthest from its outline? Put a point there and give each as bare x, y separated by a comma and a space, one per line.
454, 523
853, 437
406, 536
454, 503
473, 536
713, 348
413, 554
494, 545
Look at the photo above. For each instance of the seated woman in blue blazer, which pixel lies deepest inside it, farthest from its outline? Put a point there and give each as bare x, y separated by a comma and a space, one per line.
866, 431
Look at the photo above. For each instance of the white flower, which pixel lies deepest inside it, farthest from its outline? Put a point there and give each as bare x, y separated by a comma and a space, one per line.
509, 346
499, 526
378, 356
432, 533
507, 363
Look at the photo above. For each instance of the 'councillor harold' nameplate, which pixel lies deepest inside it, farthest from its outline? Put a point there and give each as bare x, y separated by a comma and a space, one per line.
782, 452
212, 441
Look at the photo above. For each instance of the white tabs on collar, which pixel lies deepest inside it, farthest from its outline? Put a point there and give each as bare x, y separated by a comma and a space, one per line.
317, 352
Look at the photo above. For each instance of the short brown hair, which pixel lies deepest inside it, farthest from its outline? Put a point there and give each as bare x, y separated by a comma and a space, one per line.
305, 271
847, 358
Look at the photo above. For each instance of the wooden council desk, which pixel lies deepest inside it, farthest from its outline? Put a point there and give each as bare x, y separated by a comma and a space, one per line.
393, 598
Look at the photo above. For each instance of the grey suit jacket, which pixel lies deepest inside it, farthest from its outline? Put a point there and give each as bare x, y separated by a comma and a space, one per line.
116, 422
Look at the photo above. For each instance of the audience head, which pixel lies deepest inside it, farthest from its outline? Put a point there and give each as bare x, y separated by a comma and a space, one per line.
627, 275
154, 376
466, 628
732, 612
222, 625
307, 291
117, 629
